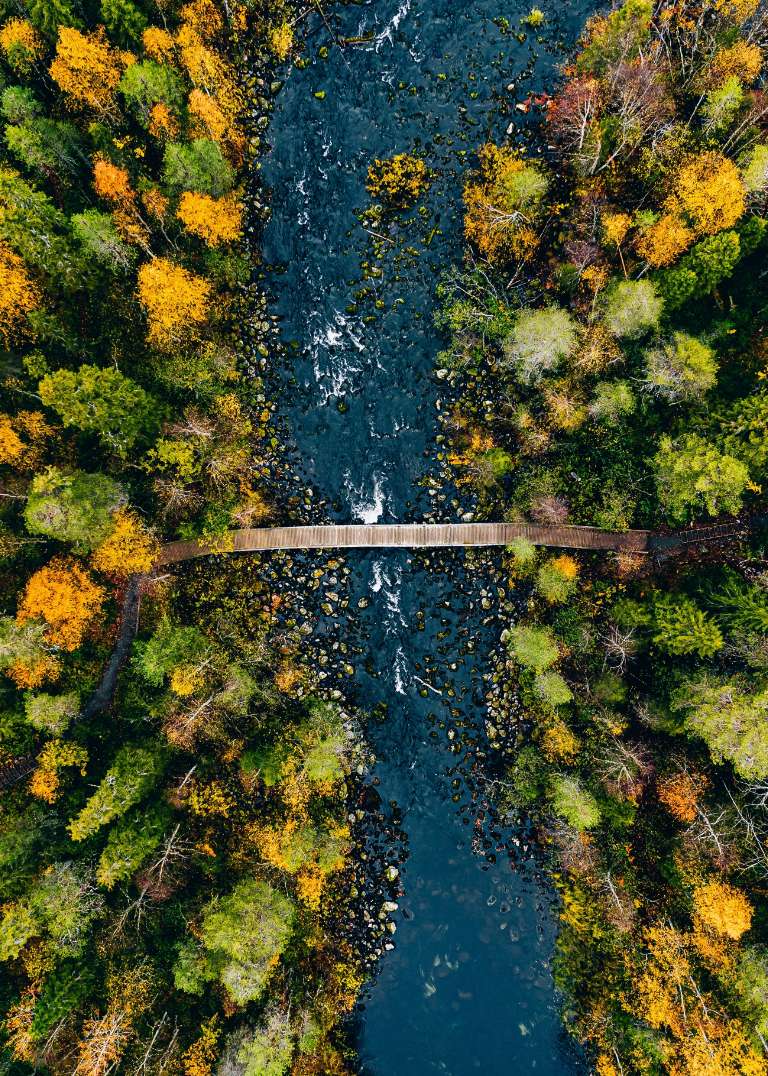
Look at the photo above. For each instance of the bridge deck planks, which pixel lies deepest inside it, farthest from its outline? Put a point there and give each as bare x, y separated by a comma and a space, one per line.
409, 536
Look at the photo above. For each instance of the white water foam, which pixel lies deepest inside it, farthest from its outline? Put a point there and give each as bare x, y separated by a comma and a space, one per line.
335, 371
387, 34
400, 671
366, 506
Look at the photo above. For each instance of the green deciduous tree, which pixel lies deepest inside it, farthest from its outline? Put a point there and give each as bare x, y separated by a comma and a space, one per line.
751, 987
18, 104
632, 308
553, 689
37, 231
134, 772
101, 401
61, 905
755, 173
147, 83
533, 648
51, 713
197, 166
732, 719
101, 240
682, 369
170, 648
241, 937
574, 803
539, 341
76, 507
612, 400
693, 475
722, 105
268, 1049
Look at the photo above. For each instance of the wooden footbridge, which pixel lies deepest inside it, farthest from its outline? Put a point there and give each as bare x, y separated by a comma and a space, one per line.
445, 535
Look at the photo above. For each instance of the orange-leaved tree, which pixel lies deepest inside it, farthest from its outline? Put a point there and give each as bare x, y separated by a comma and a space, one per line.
64, 596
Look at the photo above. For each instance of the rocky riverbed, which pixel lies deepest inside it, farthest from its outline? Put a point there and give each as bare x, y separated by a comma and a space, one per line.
448, 902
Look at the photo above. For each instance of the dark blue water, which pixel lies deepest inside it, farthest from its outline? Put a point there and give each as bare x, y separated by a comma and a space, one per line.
467, 987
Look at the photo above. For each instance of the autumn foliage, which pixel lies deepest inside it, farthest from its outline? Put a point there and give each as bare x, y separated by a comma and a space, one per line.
176, 301
87, 68
502, 204
19, 295
215, 220
66, 597
130, 548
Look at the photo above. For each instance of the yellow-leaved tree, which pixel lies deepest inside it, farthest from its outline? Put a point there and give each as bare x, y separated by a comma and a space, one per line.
129, 549
216, 220
19, 295
709, 193
86, 68
176, 301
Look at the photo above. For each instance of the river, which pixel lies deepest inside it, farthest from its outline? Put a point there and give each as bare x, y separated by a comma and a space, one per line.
467, 986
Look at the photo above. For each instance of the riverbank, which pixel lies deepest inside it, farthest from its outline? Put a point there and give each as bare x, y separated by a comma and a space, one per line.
607, 345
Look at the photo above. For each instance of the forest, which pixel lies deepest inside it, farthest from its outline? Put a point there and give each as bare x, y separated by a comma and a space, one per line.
167, 861
179, 860
612, 308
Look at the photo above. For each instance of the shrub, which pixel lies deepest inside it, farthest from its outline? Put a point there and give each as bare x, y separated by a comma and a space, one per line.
525, 556
557, 578
399, 181
553, 689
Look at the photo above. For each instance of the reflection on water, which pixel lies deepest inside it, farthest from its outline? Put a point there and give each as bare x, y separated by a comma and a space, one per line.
466, 987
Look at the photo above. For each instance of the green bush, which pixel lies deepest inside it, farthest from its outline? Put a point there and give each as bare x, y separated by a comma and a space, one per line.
533, 648
571, 801
632, 308
680, 627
